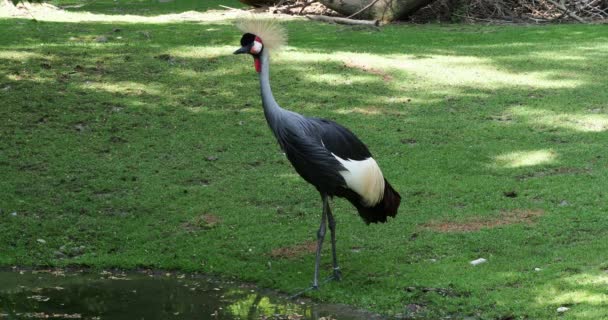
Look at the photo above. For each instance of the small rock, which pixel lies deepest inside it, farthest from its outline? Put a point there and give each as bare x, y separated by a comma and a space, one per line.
59, 254
145, 34
101, 39
76, 251
211, 158
414, 308
41, 241
563, 203
478, 261
165, 57
14, 214
537, 269
562, 309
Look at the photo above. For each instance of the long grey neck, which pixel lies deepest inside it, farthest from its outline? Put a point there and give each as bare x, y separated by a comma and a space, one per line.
272, 110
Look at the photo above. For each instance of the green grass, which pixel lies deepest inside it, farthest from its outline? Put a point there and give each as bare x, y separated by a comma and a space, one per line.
144, 7
121, 146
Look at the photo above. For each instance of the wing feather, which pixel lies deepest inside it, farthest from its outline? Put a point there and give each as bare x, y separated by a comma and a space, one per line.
341, 141
311, 159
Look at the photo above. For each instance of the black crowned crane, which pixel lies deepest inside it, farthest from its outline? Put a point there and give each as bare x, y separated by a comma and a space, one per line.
324, 153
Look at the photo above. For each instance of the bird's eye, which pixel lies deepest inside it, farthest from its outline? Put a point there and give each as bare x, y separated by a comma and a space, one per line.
257, 46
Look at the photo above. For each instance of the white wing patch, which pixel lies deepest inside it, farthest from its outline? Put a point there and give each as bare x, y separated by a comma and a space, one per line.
365, 178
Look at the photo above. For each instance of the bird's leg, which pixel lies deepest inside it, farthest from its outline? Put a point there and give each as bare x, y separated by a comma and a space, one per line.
332, 228
320, 237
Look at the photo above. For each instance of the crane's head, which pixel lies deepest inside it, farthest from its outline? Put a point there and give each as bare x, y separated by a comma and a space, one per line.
250, 43
261, 35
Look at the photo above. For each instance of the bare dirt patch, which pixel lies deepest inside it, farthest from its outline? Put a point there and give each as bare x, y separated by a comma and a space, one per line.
369, 69
477, 223
294, 251
553, 172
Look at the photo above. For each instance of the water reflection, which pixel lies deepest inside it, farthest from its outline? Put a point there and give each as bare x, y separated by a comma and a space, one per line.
78, 295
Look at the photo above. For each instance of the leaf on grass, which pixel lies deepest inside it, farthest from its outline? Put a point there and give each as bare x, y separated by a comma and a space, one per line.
204, 221
39, 298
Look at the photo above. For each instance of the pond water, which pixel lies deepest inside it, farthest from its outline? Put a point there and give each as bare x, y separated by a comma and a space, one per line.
54, 294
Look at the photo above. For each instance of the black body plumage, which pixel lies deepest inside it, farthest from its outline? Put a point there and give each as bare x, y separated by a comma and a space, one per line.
310, 145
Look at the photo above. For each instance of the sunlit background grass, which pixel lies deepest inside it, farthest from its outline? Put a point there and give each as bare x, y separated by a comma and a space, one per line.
120, 134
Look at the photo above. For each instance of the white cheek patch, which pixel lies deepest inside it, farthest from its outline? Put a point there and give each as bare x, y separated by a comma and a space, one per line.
365, 178
256, 48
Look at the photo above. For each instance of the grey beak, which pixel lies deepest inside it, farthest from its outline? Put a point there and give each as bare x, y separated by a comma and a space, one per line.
242, 50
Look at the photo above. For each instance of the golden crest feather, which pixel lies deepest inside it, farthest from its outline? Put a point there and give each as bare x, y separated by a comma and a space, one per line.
273, 35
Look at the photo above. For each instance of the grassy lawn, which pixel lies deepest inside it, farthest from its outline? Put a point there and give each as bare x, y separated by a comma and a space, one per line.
144, 7
144, 145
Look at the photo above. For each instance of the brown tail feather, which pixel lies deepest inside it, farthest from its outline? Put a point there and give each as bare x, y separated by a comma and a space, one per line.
387, 207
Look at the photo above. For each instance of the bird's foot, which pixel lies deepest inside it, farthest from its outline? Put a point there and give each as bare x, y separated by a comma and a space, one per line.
297, 295
337, 276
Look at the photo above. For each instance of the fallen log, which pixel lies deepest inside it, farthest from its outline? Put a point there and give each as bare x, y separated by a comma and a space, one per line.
372, 23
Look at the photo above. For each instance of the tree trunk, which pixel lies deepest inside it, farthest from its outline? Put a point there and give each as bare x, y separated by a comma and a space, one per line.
385, 10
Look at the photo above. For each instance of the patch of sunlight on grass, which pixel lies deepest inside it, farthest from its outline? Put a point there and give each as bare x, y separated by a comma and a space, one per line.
28, 78
552, 56
197, 109
589, 279
394, 99
48, 12
251, 110
602, 46
442, 69
193, 52
19, 55
370, 111
366, 111
579, 296
188, 73
573, 121
337, 79
525, 158
124, 87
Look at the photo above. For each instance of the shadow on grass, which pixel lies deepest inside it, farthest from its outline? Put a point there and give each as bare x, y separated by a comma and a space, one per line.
117, 143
